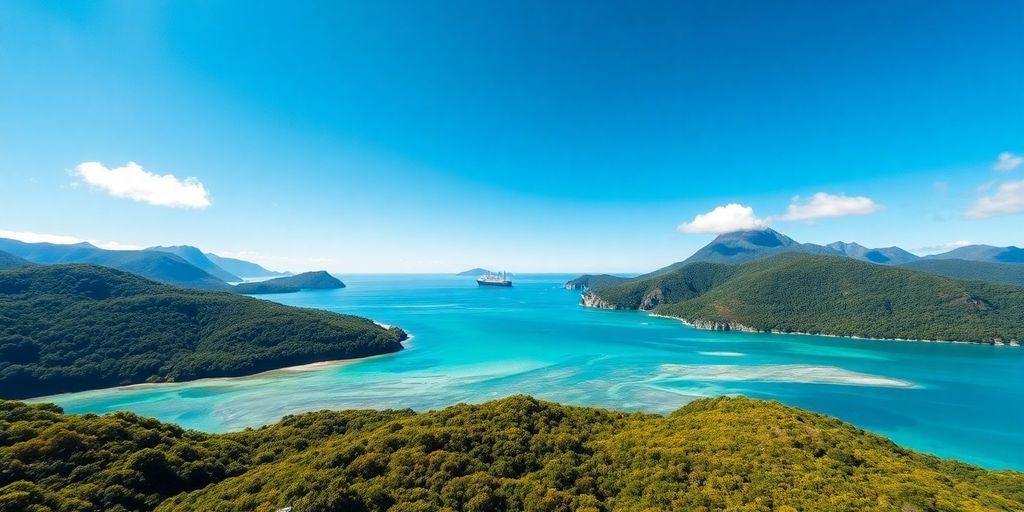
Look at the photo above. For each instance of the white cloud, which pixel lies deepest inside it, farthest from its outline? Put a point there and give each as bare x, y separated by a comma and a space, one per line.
35, 238
724, 219
939, 248
1007, 162
827, 205
134, 182
1008, 199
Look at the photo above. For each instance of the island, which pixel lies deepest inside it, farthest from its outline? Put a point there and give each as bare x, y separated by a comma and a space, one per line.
319, 280
806, 293
474, 272
517, 453
76, 327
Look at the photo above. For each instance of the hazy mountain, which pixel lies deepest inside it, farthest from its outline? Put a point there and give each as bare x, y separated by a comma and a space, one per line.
987, 253
882, 255
158, 266
242, 268
319, 280
474, 272
197, 258
1007, 273
8, 260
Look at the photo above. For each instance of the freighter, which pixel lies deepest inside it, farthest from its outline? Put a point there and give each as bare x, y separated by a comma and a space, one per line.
490, 279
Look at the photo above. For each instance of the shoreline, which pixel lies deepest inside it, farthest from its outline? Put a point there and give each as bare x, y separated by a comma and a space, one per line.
751, 330
299, 368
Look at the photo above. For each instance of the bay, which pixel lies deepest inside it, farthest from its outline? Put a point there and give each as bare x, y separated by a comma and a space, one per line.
473, 344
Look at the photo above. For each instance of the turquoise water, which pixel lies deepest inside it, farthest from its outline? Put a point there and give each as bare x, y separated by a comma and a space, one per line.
475, 344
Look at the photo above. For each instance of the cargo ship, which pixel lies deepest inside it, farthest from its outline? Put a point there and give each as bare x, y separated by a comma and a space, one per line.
500, 279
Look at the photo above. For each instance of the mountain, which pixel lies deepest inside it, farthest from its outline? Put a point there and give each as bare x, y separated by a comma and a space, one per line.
883, 255
8, 260
985, 253
514, 454
199, 260
320, 280
474, 272
744, 246
242, 268
828, 295
75, 327
158, 266
1006, 273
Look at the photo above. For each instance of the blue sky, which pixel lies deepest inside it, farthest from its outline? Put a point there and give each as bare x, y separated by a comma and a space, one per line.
437, 136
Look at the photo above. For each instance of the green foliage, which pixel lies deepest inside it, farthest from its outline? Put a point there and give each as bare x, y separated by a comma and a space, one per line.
1006, 273
595, 281
74, 327
320, 280
840, 296
685, 283
513, 454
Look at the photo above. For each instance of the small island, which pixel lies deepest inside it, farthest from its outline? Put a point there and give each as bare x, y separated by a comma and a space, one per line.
474, 272
319, 280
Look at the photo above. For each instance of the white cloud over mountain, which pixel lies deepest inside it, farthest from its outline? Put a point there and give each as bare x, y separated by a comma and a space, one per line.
35, 238
135, 183
724, 219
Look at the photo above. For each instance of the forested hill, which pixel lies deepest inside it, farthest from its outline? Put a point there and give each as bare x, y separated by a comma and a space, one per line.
1007, 273
8, 260
75, 327
319, 280
828, 295
515, 454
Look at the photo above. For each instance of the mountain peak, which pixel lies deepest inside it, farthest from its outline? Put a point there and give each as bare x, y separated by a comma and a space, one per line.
766, 237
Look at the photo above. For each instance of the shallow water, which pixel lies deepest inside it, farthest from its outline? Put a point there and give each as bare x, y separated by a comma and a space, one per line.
475, 344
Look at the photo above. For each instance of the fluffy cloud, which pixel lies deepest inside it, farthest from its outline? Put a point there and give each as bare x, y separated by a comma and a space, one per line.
35, 238
1008, 199
1007, 162
827, 205
134, 182
724, 219
946, 247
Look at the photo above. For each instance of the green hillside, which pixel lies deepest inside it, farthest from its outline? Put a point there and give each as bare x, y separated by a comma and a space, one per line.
319, 280
594, 281
684, 283
196, 258
1006, 273
75, 327
841, 296
515, 454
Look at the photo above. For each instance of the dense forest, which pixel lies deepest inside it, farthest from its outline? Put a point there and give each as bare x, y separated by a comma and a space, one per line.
1006, 273
75, 327
319, 280
828, 295
515, 454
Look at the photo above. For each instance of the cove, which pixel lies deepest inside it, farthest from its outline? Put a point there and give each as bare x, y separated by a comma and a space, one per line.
473, 344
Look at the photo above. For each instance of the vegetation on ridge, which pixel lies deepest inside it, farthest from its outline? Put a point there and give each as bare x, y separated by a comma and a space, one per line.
74, 327
319, 280
513, 454
833, 295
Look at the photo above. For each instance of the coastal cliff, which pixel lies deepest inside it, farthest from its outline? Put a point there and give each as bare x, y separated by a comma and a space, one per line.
592, 300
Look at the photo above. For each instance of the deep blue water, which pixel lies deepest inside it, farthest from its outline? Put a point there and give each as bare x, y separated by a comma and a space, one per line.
475, 344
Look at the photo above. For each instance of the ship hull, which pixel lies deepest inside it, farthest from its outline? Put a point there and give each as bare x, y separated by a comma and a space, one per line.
495, 283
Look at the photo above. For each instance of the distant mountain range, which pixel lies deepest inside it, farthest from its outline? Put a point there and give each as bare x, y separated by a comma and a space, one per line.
320, 280
971, 262
817, 294
184, 266
199, 260
242, 268
8, 260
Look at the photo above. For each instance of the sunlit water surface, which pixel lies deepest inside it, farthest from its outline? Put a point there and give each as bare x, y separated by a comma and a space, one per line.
474, 344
